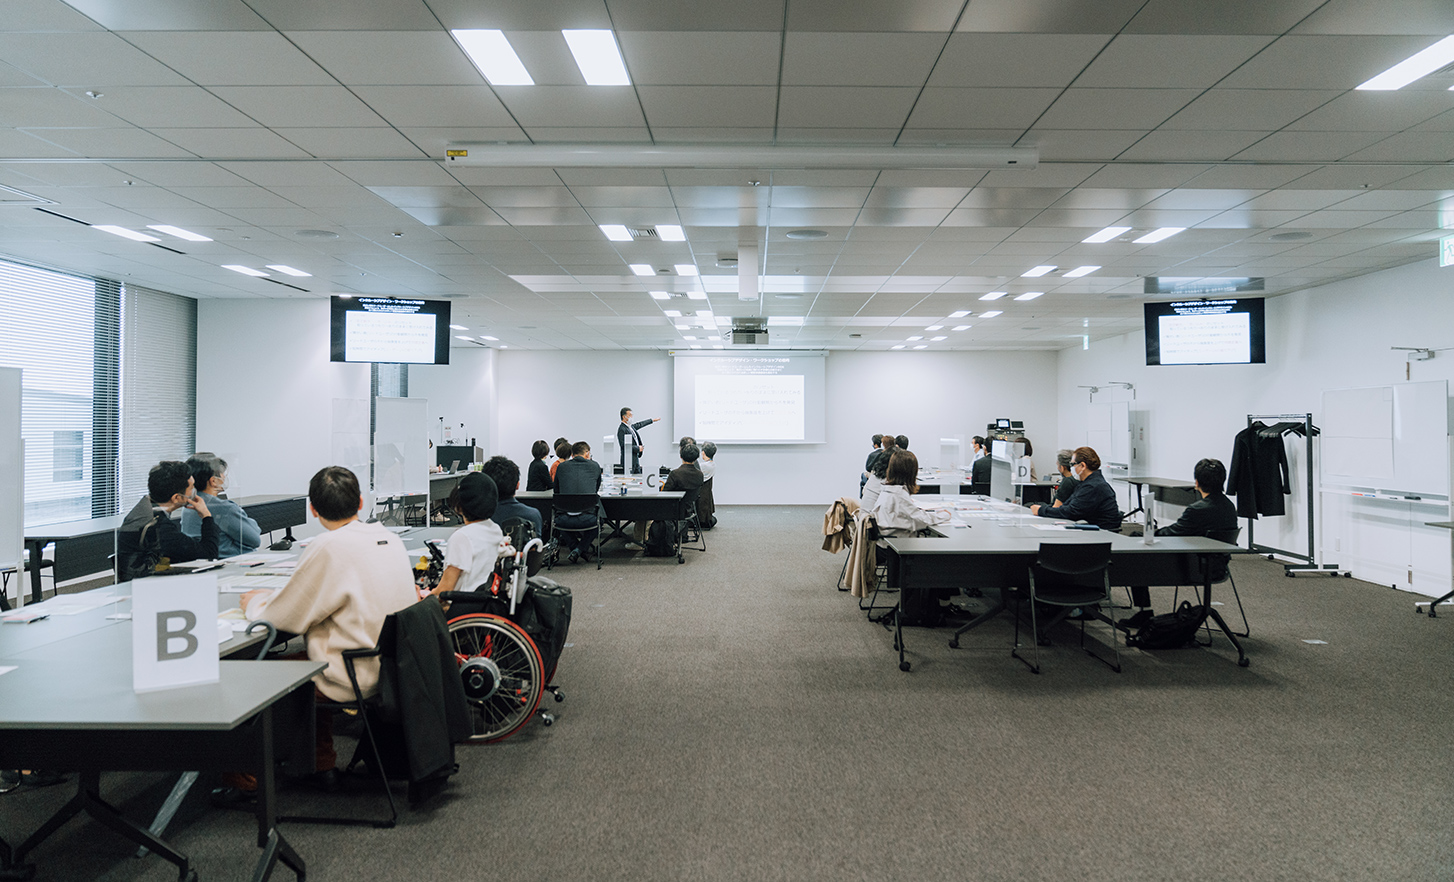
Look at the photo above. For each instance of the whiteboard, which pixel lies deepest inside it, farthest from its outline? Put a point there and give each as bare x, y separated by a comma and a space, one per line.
1388, 438
401, 447
1108, 433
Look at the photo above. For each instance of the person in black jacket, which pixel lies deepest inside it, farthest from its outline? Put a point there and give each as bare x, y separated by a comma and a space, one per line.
1213, 512
1066, 487
625, 432
1093, 500
538, 478
148, 535
578, 476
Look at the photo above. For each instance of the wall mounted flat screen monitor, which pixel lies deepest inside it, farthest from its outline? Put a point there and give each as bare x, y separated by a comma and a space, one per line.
1206, 332
389, 330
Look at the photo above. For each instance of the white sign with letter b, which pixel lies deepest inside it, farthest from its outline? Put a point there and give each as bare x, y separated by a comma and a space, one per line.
174, 632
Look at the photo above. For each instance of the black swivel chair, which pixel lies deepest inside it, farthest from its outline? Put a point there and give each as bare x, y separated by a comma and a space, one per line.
1070, 576
688, 527
566, 504
1220, 571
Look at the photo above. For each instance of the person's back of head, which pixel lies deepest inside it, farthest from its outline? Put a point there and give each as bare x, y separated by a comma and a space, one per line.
901, 442
878, 440
580, 448
559, 441
1210, 475
166, 479
880, 465
539, 449
1062, 459
686, 439
1087, 456
562, 449
205, 467
334, 494
903, 470
709, 450
475, 497
506, 475
690, 452
1029, 449
890, 442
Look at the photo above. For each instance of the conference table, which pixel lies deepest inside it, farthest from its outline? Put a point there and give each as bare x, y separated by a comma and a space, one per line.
994, 547
1170, 491
637, 504
66, 691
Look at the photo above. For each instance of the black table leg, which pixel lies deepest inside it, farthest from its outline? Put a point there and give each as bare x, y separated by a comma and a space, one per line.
1242, 659
274, 846
1445, 599
999, 607
88, 799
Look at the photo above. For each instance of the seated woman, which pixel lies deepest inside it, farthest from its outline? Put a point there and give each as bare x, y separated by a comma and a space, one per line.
470, 557
236, 532
538, 477
898, 515
562, 453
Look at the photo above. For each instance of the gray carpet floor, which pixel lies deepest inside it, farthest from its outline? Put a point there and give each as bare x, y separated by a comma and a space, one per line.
736, 718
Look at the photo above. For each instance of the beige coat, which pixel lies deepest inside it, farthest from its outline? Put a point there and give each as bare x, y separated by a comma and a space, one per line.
836, 521
862, 555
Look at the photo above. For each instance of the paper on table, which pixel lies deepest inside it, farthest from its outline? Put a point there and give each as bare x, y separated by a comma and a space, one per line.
75, 604
5, 669
258, 557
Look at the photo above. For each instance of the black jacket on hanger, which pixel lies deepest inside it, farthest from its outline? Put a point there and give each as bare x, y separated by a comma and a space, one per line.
1258, 476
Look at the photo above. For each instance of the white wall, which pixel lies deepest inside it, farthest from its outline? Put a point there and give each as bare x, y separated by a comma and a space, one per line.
1334, 337
265, 390
925, 395
462, 391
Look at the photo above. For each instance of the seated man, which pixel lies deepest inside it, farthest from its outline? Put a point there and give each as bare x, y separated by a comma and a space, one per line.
578, 476
1093, 500
148, 537
979, 472
686, 476
878, 444
506, 475
1213, 512
1067, 480
349, 579
236, 532
706, 505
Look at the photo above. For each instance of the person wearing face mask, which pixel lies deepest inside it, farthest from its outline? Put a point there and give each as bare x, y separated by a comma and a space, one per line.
1093, 500
236, 532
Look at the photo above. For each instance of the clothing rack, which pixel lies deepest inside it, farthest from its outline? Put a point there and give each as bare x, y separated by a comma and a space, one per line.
1305, 430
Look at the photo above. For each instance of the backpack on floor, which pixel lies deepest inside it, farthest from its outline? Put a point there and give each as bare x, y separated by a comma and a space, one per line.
1171, 630
659, 540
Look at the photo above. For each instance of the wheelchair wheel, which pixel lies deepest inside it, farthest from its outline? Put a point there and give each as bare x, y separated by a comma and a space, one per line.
502, 672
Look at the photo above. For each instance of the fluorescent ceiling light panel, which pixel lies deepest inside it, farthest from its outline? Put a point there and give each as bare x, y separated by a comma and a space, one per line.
788, 321
682, 326
994, 295
704, 313
1107, 234
962, 327
178, 232
124, 233
494, 56
959, 313
458, 328
992, 313
673, 313
922, 346
686, 269
670, 233
465, 339
616, 232
289, 271
717, 346
643, 269
688, 337
245, 270
696, 295
715, 337
597, 56
488, 337
1029, 295
696, 346
937, 339
897, 346
935, 328
1418, 65
1080, 271
912, 339
1158, 235
660, 295
1038, 271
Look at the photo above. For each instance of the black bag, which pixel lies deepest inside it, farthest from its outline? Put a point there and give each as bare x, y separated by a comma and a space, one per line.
543, 612
659, 540
1171, 630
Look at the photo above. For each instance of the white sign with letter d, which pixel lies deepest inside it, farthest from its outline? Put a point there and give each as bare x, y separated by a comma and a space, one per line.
174, 632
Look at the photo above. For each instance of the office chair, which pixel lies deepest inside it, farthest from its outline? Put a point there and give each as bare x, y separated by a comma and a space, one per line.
1220, 571
567, 504
689, 528
1069, 576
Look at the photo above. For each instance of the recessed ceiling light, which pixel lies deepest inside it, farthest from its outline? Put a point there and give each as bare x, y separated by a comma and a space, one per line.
488, 337
178, 232
289, 271
673, 313
124, 233
688, 337
682, 326
696, 295
1029, 295
643, 269
1412, 68
245, 270
897, 346
597, 56
715, 337
935, 328
670, 233
1038, 271
686, 269
704, 313
465, 339
991, 314
917, 337
458, 328
493, 55
717, 346
616, 232
696, 346
503, 346
959, 313
660, 295
788, 321
994, 295
807, 234
962, 327
1158, 235
1107, 234
937, 339
922, 346
1080, 271
1294, 236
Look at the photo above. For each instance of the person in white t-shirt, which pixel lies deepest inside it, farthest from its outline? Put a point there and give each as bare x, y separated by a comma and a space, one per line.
470, 557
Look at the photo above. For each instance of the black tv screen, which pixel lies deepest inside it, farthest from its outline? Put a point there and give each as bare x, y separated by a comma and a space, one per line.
1206, 332
389, 330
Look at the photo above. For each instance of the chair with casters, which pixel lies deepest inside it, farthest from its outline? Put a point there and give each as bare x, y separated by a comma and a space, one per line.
688, 527
564, 505
1069, 576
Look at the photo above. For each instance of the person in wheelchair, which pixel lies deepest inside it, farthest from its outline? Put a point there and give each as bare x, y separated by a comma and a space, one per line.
469, 560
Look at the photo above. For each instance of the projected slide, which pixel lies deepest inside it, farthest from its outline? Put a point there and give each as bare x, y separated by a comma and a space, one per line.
389, 337
736, 408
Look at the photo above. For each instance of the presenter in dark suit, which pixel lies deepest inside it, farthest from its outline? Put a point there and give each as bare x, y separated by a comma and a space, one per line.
1213, 512
627, 429
1093, 500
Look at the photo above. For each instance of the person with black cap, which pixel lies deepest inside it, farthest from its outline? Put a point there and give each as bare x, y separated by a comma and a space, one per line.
470, 557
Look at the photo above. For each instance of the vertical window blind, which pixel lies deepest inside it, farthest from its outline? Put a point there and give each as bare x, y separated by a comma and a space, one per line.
158, 384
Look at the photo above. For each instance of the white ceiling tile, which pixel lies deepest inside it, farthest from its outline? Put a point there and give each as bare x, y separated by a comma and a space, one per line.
463, 106
1409, 147
990, 217
981, 108
1361, 177
436, 140
833, 106
249, 143
42, 16
859, 59
1263, 110
87, 60
572, 106
223, 58
334, 15
180, 15
1083, 219
1142, 109
1249, 177
1144, 176
11, 77
300, 106
902, 217
44, 106
522, 14
1079, 144
922, 137
884, 137
639, 197
1375, 112
398, 58
349, 143
602, 134
234, 197
1431, 17
1220, 16
711, 135
167, 106
674, 58
680, 106
873, 15
1322, 62
811, 217
110, 143
972, 60
1326, 146
1191, 146
286, 174
530, 217
1166, 61
916, 197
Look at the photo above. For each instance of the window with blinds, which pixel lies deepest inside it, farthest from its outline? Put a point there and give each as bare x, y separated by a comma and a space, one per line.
158, 384
48, 329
